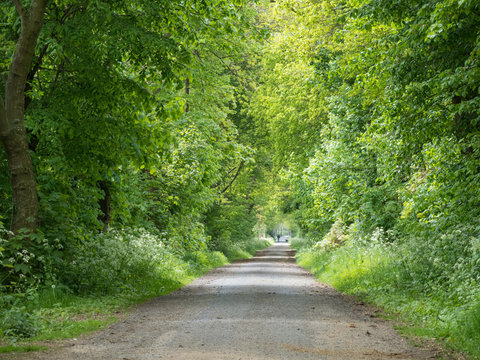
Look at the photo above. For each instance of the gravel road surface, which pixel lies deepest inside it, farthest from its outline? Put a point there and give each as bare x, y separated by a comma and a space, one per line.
266, 307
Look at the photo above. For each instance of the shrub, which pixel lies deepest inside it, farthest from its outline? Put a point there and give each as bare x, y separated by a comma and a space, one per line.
17, 323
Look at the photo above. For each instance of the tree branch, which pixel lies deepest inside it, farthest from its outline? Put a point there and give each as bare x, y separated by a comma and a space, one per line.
66, 14
19, 7
31, 75
234, 178
223, 62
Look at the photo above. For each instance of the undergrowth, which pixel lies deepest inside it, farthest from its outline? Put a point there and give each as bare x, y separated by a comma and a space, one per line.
247, 249
379, 272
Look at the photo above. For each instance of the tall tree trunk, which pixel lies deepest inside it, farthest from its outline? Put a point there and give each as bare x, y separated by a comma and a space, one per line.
12, 125
104, 204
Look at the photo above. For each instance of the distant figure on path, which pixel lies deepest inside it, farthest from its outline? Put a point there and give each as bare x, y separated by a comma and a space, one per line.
278, 238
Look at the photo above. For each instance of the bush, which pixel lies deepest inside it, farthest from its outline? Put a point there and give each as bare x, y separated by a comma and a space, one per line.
116, 261
299, 244
246, 249
334, 238
17, 323
17, 319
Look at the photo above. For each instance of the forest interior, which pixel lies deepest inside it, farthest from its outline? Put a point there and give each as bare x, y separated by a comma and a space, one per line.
146, 142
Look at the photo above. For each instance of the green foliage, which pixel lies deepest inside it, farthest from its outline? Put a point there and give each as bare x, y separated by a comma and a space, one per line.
229, 223
246, 249
18, 323
16, 320
106, 112
71, 329
118, 261
468, 325
165, 134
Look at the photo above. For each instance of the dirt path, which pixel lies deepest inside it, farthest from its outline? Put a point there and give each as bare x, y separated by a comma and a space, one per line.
263, 308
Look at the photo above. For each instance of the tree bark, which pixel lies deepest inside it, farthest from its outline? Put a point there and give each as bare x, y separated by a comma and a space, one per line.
12, 123
104, 204
187, 91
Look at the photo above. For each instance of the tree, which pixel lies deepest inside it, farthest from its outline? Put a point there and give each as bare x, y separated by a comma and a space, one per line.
12, 118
